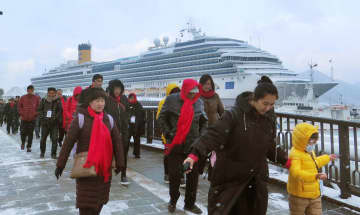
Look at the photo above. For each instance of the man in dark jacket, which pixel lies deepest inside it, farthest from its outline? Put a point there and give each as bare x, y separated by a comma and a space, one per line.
97, 81
11, 114
27, 109
116, 106
50, 113
2, 108
62, 131
136, 122
182, 119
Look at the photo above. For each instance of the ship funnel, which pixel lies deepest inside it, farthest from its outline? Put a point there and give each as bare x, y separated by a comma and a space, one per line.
157, 42
84, 50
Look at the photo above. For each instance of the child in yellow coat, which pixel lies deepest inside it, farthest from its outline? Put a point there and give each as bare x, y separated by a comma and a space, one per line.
304, 177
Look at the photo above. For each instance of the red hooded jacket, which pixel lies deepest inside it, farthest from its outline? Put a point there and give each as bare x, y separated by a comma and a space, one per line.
71, 106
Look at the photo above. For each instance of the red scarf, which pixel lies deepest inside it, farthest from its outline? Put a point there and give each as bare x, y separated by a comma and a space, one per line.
12, 104
186, 114
118, 100
207, 94
100, 149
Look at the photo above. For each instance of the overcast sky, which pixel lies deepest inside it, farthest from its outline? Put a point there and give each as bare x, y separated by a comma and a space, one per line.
38, 35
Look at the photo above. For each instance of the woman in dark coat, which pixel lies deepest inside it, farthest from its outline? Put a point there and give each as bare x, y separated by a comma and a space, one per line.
136, 122
243, 139
93, 192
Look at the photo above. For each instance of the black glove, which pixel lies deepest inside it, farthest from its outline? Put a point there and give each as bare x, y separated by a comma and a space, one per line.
58, 172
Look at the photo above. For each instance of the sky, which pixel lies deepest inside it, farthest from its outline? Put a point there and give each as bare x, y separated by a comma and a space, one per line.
38, 35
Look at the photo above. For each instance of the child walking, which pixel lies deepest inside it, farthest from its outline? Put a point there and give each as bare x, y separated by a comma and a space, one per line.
305, 180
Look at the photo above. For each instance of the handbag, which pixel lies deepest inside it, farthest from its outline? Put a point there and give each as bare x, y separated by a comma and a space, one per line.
78, 170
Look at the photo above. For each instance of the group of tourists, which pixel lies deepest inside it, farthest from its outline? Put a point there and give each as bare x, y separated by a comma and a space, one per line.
234, 145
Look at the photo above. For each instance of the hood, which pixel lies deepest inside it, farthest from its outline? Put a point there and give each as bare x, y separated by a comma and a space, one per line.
113, 84
301, 135
170, 87
242, 101
77, 91
188, 85
133, 94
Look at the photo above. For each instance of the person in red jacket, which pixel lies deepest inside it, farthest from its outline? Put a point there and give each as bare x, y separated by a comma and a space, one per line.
71, 105
62, 130
27, 109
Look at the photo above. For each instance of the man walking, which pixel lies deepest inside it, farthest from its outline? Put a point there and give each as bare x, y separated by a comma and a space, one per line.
50, 117
182, 119
27, 109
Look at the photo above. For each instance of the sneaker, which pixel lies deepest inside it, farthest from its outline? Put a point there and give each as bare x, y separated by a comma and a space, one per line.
166, 179
53, 156
60, 144
22, 146
182, 183
42, 155
194, 209
28, 150
124, 181
171, 207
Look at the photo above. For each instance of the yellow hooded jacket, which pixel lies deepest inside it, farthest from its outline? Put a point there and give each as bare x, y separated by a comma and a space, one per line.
169, 88
302, 180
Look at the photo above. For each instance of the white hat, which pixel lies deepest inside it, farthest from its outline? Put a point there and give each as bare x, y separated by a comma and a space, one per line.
194, 90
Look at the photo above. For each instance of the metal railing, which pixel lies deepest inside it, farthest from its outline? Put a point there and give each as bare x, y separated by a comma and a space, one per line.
336, 137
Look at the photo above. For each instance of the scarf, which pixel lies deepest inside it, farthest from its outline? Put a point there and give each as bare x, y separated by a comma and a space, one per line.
207, 94
118, 100
101, 148
12, 104
186, 114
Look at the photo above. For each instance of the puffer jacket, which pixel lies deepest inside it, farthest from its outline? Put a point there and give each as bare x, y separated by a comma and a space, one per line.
169, 88
243, 141
302, 180
28, 106
214, 108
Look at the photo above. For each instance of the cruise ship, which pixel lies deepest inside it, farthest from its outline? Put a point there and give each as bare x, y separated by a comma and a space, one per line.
235, 66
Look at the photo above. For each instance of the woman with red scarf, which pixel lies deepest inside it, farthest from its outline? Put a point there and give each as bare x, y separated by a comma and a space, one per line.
182, 119
101, 139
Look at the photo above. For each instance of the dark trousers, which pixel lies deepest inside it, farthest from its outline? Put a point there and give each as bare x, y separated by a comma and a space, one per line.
136, 150
166, 165
27, 130
126, 150
175, 175
10, 124
90, 211
47, 129
1, 118
16, 125
37, 127
62, 133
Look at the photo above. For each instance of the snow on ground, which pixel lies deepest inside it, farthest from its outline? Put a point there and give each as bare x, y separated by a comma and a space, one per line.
114, 206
